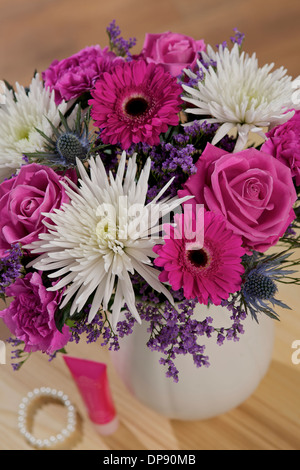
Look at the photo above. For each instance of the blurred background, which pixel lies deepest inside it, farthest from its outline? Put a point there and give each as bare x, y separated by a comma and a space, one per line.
35, 32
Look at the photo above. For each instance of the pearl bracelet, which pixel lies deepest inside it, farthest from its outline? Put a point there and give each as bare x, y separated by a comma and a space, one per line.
23, 417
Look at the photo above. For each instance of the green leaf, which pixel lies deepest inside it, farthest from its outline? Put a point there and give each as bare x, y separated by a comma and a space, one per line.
61, 316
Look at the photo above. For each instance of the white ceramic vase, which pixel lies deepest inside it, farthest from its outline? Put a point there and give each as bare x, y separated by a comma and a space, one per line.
236, 369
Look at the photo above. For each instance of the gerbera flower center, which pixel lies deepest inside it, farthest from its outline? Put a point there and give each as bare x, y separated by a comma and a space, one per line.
136, 106
197, 259
135, 102
210, 271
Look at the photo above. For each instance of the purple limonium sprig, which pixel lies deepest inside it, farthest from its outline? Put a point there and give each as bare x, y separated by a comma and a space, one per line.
238, 315
223, 45
143, 291
98, 329
199, 133
10, 267
290, 232
206, 64
238, 38
18, 355
192, 81
168, 160
171, 161
174, 330
176, 157
118, 44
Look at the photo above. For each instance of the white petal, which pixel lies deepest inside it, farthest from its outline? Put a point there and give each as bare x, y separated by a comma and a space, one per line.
238, 92
117, 305
89, 257
221, 132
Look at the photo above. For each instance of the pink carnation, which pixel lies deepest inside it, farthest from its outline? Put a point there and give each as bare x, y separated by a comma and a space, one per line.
174, 51
135, 102
210, 272
253, 191
75, 75
30, 316
23, 200
284, 144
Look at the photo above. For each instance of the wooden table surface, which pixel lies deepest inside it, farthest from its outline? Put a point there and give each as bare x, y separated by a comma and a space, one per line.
268, 420
35, 32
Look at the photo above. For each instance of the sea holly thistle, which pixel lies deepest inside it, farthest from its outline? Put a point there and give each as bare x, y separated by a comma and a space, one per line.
134, 134
260, 282
68, 143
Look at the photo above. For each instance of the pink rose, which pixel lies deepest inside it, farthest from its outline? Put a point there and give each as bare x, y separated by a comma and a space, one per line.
75, 75
174, 51
251, 189
30, 316
24, 199
284, 144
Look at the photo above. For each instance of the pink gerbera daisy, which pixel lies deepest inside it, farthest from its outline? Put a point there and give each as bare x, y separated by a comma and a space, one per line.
210, 271
135, 102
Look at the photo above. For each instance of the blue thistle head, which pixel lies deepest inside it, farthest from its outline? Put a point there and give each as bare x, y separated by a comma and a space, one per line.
260, 282
259, 286
67, 144
71, 146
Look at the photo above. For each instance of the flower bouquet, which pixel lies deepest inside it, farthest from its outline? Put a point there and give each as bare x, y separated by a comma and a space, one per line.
135, 187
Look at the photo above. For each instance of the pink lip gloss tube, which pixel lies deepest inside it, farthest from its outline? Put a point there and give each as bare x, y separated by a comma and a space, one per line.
92, 382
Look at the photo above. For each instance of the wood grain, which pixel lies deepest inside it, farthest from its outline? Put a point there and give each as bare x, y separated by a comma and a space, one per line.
35, 32
268, 420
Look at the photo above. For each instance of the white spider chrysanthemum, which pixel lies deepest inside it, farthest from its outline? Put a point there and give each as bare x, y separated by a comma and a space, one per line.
25, 111
105, 233
236, 93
